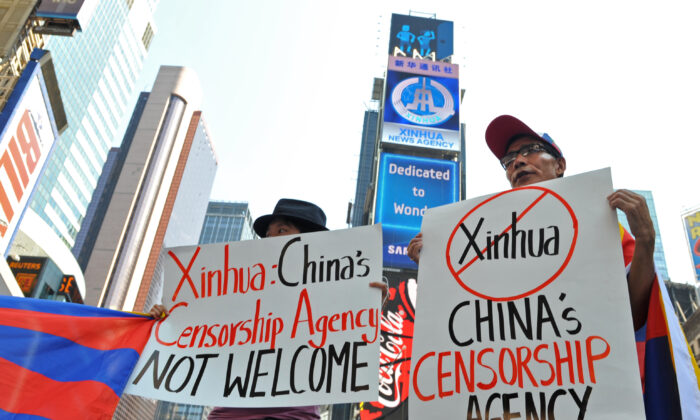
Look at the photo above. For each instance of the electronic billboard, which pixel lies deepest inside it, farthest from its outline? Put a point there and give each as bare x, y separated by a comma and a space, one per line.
407, 186
27, 135
691, 221
413, 36
421, 105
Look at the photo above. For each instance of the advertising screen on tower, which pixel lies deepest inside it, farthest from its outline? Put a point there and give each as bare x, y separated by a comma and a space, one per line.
413, 36
421, 105
27, 134
26, 271
408, 186
692, 229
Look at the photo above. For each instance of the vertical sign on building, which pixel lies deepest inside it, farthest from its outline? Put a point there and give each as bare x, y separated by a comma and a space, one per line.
419, 168
27, 134
691, 221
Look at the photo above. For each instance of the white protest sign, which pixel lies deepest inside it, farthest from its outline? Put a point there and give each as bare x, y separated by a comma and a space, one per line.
523, 310
274, 322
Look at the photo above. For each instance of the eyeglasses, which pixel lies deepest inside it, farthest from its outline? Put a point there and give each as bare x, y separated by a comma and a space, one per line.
509, 158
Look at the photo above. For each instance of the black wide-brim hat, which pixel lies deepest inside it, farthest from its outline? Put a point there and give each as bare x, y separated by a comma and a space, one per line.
308, 217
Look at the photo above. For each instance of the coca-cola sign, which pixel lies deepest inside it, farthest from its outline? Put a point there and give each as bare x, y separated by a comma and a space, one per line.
395, 346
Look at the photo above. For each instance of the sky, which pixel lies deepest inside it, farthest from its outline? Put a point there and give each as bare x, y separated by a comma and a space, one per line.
286, 84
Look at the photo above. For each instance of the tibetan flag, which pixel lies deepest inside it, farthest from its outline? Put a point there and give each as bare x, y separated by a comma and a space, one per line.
671, 376
64, 360
669, 372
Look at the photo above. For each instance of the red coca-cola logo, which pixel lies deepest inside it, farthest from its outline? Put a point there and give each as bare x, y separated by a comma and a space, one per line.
395, 346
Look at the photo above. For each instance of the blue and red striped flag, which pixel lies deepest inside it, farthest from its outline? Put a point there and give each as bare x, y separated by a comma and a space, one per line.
64, 360
670, 374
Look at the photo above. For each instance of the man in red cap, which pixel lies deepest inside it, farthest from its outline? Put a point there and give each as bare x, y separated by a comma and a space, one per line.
529, 157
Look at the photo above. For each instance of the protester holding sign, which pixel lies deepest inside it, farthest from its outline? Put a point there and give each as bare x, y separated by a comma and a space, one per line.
528, 158
290, 217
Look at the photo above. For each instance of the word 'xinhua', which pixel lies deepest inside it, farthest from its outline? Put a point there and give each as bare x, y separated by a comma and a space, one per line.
507, 244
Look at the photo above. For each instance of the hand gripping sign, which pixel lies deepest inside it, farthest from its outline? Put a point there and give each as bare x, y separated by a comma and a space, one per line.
523, 310
275, 322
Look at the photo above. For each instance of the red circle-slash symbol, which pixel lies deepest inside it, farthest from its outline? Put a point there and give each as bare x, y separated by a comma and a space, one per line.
532, 272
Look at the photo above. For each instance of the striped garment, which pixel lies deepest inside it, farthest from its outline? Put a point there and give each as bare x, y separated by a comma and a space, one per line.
670, 375
64, 360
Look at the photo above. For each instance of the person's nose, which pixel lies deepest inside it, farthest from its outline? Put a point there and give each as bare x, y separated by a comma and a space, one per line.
519, 161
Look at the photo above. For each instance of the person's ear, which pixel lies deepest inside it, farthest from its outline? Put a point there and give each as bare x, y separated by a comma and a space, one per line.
561, 166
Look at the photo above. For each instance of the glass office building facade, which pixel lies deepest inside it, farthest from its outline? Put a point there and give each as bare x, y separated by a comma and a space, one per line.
97, 70
226, 222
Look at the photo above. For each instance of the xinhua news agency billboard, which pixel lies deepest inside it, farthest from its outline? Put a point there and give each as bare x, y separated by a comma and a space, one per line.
27, 135
413, 36
407, 186
421, 104
692, 229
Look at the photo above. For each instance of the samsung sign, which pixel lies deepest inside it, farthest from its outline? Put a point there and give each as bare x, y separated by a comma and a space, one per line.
407, 187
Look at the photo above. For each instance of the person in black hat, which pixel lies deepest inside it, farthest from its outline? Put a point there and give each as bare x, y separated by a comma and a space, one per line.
529, 157
289, 217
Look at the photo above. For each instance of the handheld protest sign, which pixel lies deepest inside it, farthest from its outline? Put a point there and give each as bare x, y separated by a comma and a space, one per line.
275, 322
523, 308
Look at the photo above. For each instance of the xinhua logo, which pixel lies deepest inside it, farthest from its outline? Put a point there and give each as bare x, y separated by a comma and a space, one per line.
423, 101
512, 244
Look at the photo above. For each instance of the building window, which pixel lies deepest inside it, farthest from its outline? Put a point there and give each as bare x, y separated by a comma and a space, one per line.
147, 36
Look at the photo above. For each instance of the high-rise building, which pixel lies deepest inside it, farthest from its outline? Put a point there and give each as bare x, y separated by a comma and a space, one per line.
159, 197
174, 411
692, 332
659, 257
97, 70
85, 241
368, 151
684, 298
226, 222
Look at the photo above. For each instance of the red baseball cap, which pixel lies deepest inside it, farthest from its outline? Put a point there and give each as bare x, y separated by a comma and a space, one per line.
502, 129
